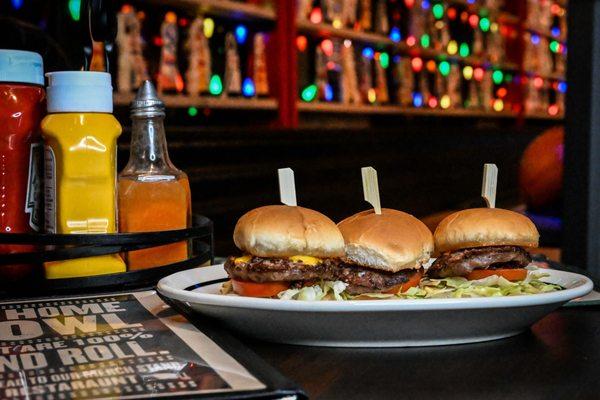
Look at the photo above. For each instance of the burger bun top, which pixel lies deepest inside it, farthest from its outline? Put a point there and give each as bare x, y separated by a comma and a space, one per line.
284, 231
480, 227
390, 241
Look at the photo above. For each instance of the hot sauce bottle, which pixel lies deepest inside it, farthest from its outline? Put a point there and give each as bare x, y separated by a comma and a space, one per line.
153, 194
21, 152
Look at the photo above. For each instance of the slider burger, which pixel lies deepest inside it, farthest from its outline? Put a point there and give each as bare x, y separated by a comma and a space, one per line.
283, 246
480, 242
384, 252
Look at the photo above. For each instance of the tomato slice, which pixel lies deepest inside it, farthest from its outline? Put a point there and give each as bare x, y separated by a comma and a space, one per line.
254, 289
403, 287
511, 274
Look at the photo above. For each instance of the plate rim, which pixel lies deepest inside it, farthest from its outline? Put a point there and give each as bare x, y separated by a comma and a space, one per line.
209, 299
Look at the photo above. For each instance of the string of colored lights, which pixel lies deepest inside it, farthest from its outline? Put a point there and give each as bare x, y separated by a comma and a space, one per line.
215, 86
453, 48
480, 19
499, 77
477, 20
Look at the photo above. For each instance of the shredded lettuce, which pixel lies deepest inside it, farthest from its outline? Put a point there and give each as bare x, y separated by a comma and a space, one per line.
326, 290
491, 286
429, 288
457, 287
226, 288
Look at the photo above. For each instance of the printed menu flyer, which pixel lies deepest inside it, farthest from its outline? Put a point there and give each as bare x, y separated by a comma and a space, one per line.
117, 346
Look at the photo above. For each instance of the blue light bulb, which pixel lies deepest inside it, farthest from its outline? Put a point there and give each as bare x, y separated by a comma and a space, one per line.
395, 34
425, 5
555, 31
368, 52
562, 87
248, 89
17, 4
417, 99
535, 39
241, 33
328, 92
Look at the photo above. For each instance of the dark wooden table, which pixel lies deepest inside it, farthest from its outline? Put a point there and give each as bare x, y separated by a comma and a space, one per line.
558, 359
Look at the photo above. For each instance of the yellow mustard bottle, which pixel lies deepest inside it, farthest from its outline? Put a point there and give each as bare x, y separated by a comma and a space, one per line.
80, 135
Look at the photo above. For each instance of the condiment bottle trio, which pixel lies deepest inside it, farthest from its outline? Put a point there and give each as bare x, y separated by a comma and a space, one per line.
81, 190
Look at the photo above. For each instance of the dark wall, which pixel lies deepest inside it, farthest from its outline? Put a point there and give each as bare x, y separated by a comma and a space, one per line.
422, 168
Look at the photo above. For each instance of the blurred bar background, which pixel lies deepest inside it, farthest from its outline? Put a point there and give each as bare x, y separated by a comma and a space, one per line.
424, 91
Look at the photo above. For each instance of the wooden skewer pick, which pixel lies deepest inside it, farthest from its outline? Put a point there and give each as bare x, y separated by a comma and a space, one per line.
287, 186
488, 186
371, 187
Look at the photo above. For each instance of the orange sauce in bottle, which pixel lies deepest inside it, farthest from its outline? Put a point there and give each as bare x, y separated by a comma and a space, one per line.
154, 206
153, 194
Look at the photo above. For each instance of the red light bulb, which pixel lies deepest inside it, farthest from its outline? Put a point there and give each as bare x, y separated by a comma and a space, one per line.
478, 74
316, 15
452, 13
327, 47
473, 20
301, 43
417, 64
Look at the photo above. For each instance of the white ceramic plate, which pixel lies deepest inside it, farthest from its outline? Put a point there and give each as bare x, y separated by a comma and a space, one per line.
369, 323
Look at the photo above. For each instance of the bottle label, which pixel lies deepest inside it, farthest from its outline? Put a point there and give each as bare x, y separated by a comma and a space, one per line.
50, 189
34, 198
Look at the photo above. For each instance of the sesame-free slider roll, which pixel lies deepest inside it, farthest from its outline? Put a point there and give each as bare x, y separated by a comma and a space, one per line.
282, 246
384, 253
480, 242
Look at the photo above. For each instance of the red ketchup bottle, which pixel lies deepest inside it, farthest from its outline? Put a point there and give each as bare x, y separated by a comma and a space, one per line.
22, 103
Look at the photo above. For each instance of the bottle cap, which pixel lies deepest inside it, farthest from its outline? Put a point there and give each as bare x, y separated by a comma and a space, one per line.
21, 67
79, 91
147, 103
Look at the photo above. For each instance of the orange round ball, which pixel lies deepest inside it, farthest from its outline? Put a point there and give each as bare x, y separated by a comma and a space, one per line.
541, 169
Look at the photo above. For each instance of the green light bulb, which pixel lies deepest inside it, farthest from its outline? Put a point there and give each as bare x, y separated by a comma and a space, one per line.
309, 93
554, 46
508, 78
192, 111
215, 87
425, 40
444, 68
464, 50
384, 60
497, 77
438, 11
484, 24
75, 9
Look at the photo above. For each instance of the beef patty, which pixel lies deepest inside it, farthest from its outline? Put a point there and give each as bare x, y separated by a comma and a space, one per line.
359, 279
463, 262
367, 280
261, 270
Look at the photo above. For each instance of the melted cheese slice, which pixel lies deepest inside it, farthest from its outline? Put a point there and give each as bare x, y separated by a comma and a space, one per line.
242, 259
308, 260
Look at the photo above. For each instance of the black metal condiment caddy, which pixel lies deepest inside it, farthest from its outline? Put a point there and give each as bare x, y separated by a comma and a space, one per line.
54, 247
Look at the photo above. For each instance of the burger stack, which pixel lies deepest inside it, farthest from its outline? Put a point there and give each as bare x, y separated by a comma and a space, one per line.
291, 247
